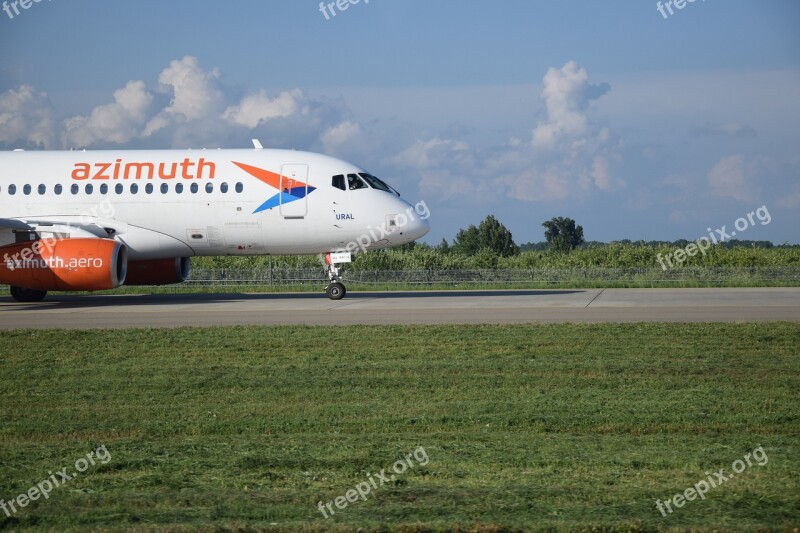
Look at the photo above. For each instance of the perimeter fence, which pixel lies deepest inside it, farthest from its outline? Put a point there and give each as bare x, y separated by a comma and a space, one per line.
283, 276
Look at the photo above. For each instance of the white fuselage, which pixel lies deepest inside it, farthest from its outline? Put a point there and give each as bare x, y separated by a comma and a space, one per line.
182, 203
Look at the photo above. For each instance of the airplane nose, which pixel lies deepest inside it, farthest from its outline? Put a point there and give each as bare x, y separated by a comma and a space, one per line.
417, 229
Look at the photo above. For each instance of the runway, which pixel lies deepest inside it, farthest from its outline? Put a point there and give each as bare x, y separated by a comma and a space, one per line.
423, 307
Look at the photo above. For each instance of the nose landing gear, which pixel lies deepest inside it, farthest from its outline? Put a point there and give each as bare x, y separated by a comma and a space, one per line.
336, 289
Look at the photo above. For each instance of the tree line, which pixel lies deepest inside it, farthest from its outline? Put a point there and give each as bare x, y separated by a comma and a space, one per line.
490, 245
562, 235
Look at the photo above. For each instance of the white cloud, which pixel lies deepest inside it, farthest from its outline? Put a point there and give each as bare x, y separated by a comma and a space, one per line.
259, 108
568, 154
27, 117
600, 172
430, 153
118, 122
538, 185
155, 124
338, 135
188, 108
442, 166
196, 93
730, 178
566, 94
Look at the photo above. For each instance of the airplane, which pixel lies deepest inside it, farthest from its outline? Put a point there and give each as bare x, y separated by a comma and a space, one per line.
83, 220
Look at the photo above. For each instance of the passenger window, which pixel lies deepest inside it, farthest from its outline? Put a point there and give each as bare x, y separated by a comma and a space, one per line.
223, 188
58, 188
209, 187
193, 187
118, 188
89, 188
74, 188
164, 188
338, 182
148, 188
42, 189
104, 188
12, 190
26, 189
239, 187
179, 188
134, 188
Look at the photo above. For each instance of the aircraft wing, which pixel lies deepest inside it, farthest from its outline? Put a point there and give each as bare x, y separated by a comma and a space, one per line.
10, 223
91, 227
67, 226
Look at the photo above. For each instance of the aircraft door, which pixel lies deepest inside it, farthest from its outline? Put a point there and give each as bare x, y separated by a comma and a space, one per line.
294, 191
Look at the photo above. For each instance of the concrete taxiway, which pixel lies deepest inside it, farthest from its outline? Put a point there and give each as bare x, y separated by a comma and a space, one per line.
424, 307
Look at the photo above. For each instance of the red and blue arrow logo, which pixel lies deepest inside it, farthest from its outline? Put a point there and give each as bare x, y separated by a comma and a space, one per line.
291, 190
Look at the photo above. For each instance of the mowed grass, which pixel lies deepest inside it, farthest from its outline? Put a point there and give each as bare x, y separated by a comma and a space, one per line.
557, 427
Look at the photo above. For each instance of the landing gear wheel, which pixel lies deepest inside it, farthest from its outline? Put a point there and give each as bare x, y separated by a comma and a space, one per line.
21, 294
335, 291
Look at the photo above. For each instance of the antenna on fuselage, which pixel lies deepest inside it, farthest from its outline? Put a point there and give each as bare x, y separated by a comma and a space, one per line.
257, 144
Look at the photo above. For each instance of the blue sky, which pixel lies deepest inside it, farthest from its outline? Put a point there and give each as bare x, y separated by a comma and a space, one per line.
636, 126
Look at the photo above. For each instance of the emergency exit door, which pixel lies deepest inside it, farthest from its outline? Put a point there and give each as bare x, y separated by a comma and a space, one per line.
294, 191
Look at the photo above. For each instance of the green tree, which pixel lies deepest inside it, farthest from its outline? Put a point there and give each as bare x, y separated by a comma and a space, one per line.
467, 241
407, 247
563, 234
497, 238
490, 234
443, 247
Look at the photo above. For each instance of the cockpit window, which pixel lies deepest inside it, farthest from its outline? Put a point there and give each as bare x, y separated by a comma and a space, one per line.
354, 182
361, 180
375, 183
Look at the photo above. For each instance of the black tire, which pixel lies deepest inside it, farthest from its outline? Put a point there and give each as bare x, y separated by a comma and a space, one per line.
335, 291
23, 295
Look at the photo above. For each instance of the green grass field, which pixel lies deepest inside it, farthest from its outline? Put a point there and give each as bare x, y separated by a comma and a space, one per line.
559, 427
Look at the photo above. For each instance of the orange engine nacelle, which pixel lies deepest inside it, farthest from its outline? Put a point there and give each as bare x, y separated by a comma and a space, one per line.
64, 265
158, 271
